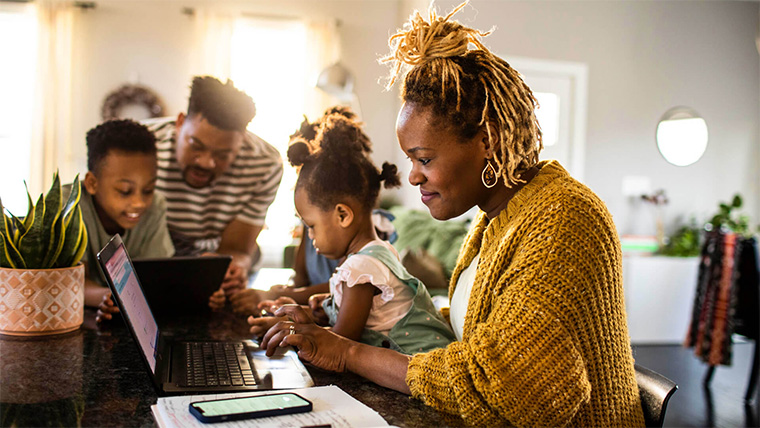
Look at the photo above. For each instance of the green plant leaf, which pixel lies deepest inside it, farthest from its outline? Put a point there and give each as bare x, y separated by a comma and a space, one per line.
60, 226
50, 222
75, 240
7, 226
5, 259
12, 226
82, 243
18, 227
737, 201
9, 254
31, 243
30, 211
74, 196
56, 242
71, 233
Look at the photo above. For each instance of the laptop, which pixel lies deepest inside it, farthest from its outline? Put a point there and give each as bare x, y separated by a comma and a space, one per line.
177, 367
180, 285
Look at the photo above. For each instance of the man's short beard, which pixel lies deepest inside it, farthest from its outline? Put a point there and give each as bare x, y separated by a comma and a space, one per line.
186, 172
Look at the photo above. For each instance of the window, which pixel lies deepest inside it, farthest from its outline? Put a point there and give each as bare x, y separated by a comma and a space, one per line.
18, 48
548, 116
267, 63
560, 89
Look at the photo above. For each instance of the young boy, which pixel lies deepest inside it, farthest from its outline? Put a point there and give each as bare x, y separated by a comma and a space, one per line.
118, 196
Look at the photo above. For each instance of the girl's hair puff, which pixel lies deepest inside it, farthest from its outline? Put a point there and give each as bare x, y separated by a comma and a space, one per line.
336, 165
467, 88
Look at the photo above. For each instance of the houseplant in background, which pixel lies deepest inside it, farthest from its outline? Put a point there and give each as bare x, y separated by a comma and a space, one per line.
685, 242
729, 219
41, 277
688, 239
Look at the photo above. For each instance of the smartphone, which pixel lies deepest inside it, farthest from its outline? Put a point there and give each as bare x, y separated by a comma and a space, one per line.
259, 406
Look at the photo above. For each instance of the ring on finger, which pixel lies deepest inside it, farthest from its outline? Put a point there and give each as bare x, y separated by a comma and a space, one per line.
292, 329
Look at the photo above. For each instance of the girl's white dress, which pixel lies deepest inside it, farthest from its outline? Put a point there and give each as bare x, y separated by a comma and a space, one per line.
395, 298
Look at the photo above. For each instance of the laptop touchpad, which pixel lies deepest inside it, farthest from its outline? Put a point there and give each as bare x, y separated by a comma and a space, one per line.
283, 369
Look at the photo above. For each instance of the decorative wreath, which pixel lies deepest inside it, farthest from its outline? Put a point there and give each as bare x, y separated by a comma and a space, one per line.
131, 94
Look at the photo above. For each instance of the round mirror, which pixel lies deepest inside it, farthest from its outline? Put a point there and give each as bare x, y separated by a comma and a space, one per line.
681, 136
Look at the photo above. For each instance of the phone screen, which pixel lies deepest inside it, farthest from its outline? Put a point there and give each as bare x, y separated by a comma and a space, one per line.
248, 405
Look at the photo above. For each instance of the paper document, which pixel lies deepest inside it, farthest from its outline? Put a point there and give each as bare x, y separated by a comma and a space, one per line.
332, 406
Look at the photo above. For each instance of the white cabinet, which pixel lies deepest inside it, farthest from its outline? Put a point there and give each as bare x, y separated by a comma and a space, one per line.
659, 294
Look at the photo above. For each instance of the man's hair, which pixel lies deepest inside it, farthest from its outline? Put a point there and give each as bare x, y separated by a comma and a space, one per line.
119, 134
336, 164
221, 104
467, 89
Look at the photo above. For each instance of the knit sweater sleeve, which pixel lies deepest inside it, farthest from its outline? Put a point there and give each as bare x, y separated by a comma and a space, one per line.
521, 366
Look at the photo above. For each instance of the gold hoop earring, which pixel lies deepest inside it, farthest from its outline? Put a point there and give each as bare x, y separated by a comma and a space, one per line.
488, 176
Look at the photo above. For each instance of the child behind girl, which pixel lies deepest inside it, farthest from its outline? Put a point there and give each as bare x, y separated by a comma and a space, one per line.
372, 297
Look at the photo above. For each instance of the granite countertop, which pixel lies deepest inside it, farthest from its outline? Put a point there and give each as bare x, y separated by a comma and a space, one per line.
94, 376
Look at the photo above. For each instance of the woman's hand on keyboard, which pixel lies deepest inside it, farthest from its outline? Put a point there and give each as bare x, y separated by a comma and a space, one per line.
316, 345
261, 325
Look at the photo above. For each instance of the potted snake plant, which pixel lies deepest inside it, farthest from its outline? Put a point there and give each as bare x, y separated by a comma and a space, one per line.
41, 276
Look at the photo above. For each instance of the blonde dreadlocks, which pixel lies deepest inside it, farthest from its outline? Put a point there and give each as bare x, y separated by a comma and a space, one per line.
440, 67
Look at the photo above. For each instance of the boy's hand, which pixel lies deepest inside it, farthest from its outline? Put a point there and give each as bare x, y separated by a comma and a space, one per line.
106, 309
317, 311
216, 301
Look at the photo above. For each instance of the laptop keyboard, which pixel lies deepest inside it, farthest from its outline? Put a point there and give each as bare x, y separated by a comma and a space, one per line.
218, 364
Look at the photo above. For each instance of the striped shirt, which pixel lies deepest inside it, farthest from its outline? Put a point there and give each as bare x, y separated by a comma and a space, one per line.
197, 217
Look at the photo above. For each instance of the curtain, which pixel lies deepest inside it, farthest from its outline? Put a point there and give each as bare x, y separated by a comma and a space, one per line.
213, 31
323, 49
51, 136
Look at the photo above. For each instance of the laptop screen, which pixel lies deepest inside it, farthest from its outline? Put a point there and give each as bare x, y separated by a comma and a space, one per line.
134, 303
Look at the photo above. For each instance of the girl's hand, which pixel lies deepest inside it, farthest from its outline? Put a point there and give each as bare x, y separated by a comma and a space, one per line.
106, 309
271, 306
317, 311
216, 301
316, 345
261, 325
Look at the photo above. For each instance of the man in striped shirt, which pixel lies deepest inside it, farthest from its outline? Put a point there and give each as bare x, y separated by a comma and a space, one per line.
218, 178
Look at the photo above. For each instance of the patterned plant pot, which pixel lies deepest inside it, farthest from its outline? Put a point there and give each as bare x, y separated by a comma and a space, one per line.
36, 302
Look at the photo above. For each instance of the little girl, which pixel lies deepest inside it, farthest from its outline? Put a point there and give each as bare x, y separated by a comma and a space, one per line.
372, 297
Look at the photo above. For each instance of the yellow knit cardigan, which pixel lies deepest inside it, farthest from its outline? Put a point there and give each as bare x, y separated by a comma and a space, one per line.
545, 339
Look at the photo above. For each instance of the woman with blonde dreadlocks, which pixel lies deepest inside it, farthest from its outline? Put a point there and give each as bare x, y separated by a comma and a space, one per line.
536, 297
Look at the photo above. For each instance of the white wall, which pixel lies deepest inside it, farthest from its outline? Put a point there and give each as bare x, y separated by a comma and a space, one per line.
643, 56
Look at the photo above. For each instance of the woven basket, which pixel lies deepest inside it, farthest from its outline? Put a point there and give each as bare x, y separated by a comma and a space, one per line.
36, 302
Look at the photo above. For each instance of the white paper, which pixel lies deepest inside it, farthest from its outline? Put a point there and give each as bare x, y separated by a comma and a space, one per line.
331, 406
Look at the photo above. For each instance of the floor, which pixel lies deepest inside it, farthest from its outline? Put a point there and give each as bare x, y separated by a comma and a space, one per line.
721, 405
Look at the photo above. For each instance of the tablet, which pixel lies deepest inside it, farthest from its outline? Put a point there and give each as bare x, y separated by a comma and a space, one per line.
180, 285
